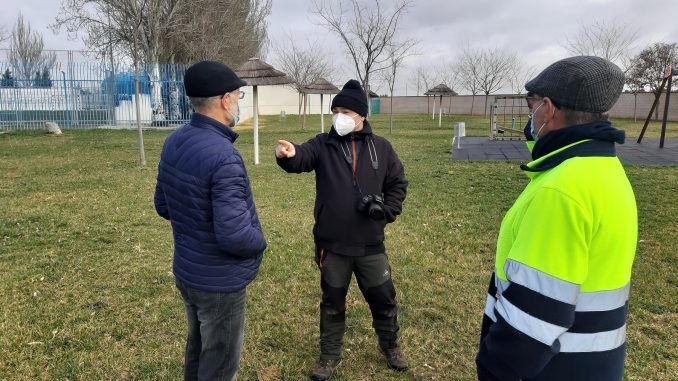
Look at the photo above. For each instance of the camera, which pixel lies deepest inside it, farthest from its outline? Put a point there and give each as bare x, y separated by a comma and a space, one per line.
372, 205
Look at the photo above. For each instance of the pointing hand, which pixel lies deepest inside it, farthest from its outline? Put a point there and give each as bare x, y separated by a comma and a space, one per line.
284, 149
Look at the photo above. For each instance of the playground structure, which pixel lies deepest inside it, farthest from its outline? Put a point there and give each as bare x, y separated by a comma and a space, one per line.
508, 116
667, 83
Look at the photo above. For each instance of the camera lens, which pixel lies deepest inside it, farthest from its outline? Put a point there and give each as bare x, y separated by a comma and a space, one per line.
376, 212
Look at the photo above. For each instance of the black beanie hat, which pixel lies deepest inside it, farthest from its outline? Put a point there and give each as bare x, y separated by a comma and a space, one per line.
209, 79
351, 97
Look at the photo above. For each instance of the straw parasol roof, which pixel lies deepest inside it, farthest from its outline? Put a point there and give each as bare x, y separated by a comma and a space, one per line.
258, 73
320, 86
441, 89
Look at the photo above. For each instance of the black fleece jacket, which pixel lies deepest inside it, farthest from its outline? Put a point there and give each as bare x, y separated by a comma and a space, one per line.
339, 227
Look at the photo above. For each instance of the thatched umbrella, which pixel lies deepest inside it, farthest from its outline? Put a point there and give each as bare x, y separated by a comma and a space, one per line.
321, 86
258, 73
440, 90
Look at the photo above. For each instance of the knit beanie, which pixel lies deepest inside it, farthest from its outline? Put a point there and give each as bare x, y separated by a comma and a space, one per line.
351, 97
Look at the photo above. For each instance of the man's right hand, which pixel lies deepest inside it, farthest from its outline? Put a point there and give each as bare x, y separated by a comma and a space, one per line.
284, 149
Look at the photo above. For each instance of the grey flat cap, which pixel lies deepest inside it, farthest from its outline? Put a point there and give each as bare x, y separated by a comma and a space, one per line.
581, 83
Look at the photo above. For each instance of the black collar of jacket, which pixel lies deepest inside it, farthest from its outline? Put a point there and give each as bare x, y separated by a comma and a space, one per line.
599, 138
204, 121
360, 135
587, 148
555, 140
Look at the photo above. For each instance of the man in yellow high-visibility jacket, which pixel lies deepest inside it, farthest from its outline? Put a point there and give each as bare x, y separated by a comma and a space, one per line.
558, 299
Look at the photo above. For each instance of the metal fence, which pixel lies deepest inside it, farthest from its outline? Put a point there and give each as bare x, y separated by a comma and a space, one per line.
91, 94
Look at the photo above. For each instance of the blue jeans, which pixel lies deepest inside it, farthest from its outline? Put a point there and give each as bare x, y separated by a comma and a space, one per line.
216, 324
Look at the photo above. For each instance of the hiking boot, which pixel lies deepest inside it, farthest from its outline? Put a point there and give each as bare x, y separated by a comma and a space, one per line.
325, 369
395, 359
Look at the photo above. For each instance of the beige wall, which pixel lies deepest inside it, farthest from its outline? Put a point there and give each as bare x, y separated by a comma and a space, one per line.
274, 99
624, 108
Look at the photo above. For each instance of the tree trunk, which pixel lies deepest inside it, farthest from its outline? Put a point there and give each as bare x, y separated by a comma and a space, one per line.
485, 111
322, 115
390, 119
140, 134
473, 100
300, 101
440, 112
175, 113
303, 117
156, 94
366, 88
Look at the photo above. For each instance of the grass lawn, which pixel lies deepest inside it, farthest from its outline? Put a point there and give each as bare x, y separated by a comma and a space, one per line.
85, 264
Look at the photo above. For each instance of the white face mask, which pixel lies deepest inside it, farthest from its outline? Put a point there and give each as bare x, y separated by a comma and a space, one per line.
343, 124
236, 116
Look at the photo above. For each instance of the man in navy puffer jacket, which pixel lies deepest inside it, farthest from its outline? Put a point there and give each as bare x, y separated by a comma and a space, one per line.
204, 191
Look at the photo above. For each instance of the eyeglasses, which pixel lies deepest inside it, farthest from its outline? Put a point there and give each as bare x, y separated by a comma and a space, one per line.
530, 98
241, 94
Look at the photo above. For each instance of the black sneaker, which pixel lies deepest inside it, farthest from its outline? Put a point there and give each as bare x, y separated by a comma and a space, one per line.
325, 369
395, 359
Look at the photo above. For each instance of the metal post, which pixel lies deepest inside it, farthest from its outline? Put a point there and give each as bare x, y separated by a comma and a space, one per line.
666, 111
113, 91
440, 112
433, 115
74, 99
322, 115
68, 119
140, 133
16, 102
255, 119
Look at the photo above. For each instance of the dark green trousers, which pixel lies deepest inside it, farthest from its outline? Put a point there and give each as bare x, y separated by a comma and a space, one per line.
373, 274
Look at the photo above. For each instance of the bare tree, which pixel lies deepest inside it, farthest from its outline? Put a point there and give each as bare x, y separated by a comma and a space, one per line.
397, 56
4, 34
229, 31
467, 67
485, 71
303, 64
495, 68
193, 37
520, 75
611, 40
169, 31
634, 86
366, 30
647, 68
124, 26
424, 78
432, 75
127, 26
26, 54
446, 73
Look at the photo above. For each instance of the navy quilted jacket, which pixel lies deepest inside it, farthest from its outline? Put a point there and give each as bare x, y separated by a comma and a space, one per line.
204, 191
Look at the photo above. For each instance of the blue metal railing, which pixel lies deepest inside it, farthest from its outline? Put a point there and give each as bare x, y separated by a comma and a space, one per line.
92, 94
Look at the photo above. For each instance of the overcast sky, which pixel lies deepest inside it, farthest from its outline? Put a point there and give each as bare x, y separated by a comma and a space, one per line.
532, 29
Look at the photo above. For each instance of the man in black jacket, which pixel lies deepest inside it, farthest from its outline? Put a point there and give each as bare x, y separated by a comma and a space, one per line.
361, 186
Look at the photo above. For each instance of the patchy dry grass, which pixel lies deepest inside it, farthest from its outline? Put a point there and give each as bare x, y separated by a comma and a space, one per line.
87, 293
